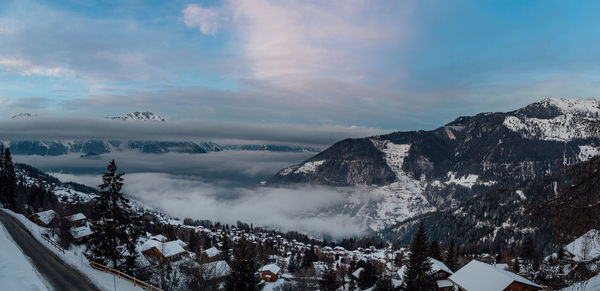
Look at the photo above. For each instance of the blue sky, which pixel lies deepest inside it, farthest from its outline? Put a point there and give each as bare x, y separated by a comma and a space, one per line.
384, 64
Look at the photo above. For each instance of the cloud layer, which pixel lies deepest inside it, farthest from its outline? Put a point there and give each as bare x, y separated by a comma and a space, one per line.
193, 130
281, 208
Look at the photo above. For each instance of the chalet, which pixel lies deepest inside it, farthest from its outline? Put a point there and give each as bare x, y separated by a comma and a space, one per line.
479, 276
78, 220
270, 272
81, 233
440, 273
586, 247
159, 237
216, 270
163, 250
45, 218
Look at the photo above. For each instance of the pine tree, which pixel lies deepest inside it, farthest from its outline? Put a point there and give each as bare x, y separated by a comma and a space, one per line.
434, 250
352, 284
384, 283
451, 256
8, 179
516, 267
243, 269
116, 227
193, 246
417, 273
329, 280
309, 257
368, 276
293, 265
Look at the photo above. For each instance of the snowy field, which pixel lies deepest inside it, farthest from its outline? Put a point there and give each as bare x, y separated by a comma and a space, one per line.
73, 257
16, 272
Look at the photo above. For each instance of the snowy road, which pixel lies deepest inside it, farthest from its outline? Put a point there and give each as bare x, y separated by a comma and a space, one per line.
57, 273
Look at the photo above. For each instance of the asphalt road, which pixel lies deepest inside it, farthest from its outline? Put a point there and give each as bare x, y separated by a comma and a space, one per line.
57, 273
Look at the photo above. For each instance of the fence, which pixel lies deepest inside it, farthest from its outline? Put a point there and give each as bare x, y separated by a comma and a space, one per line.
120, 274
47, 238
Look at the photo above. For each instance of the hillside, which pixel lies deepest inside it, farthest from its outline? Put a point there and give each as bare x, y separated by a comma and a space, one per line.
423, 171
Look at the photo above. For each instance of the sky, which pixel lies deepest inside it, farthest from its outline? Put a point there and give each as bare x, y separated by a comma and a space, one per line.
393, 65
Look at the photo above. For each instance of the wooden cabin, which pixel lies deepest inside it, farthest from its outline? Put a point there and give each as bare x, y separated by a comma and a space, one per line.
156, 250
477, 275
270, 272
45, 218
78, 220
440, 273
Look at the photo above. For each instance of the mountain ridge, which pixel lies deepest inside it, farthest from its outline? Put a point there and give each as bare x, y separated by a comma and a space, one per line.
453, 163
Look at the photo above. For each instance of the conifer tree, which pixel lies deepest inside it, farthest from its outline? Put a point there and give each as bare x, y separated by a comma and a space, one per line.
352, 284
434, 250
329, 280
384, 283
451, 256
417, 273
368, 276
8, 179
116, 227
243, 268
309, 257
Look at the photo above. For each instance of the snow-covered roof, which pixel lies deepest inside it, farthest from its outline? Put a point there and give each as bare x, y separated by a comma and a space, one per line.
357, 272
443, 283
76, 217
82, 231
271, 268
159, 237
585, 247
215, 270
212, 252
46, 216
168, 249
478, 276
437, 266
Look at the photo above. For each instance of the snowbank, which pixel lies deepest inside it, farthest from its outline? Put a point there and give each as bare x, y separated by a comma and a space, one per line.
16, 272
74, 257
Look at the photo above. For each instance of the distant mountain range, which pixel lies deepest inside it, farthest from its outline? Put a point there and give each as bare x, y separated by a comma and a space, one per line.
139, 116
402, 175
88, 148
93, 147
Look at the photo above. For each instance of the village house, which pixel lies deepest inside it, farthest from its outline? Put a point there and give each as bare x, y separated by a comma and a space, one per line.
215, 271
154, 249
479, 276
270, 272
440, 273
211, 254
78, 220
45, 218
81, 233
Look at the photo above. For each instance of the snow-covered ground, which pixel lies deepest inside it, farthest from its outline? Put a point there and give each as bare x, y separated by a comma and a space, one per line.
16, 271
74, 257
592, 284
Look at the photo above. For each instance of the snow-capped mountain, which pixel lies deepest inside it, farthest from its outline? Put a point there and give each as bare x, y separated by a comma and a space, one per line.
97, 147
23, 115
410, 173
139, 116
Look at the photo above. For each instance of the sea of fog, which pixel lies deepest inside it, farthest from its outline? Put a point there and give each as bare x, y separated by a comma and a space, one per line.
220, 186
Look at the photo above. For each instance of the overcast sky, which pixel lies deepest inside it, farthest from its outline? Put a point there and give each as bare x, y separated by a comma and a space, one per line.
376, 64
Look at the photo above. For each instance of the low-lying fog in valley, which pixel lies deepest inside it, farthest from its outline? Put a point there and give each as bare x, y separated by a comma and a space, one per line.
219, 186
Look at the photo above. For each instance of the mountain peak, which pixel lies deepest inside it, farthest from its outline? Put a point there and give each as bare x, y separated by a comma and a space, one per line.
24, 115
589, 107
143, 116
